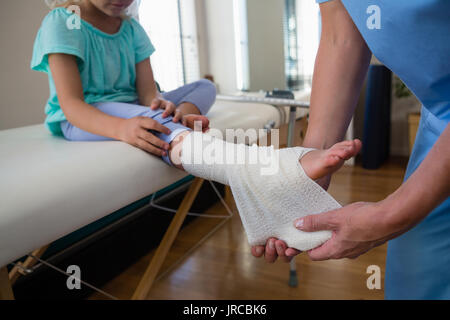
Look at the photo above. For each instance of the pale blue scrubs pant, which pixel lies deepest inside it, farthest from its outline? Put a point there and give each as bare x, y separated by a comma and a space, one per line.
418, 262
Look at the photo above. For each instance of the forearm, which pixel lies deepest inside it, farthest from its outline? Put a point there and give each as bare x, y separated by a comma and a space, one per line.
425, 189
145, 83
335, 91
341, 65
68, 85
90, 119
147, 95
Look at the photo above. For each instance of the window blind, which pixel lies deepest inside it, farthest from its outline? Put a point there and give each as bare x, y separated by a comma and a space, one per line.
171, 26
301, 34
241, 44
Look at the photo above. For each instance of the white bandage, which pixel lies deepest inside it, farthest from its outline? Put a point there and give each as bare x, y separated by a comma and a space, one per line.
270, 187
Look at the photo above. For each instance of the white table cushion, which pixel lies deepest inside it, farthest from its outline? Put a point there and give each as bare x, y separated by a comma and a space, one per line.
50, 187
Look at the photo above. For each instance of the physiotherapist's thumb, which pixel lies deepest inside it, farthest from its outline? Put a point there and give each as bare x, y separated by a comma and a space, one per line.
317, 222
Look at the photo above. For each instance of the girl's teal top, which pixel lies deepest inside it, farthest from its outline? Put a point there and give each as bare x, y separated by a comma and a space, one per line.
107, 62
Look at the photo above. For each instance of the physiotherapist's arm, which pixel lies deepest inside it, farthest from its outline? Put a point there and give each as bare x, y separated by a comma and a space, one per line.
341, 65
360, 227
340, 68
425, 189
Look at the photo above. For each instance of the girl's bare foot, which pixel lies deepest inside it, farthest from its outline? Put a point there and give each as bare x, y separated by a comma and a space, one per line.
320, 163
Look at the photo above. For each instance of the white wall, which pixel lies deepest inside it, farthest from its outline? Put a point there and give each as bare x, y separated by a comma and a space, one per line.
400, 109
23, 92
220, 43
266, 44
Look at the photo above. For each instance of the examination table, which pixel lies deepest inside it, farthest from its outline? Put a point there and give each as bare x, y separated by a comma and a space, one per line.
50, 187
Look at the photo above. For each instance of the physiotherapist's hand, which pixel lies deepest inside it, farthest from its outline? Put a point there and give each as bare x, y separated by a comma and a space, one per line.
160, 103
356, 229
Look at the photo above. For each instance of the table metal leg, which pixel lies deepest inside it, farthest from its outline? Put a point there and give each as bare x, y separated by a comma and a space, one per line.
6, 292
293, 281
291, 127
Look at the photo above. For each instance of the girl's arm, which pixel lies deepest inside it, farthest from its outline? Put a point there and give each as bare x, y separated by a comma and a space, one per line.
145, 83
149, 95
69, 89
64, 70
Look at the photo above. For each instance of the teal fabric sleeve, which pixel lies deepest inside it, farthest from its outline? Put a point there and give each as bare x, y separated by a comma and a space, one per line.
143, 47
55, 36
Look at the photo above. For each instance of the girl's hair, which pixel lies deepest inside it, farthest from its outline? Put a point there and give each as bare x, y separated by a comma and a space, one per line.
52, 4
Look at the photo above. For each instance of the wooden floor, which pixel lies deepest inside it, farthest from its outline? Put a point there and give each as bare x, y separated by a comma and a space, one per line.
223, 268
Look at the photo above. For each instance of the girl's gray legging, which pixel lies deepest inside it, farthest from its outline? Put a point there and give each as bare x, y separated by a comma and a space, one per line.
201, 93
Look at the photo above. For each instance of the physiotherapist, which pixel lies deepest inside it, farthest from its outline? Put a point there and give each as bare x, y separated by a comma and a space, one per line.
412, 38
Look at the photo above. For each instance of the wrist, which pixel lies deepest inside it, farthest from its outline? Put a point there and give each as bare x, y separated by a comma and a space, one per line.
395, 214
147, 100
118, 129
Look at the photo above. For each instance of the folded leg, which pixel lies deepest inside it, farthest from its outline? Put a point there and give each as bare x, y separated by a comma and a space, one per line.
200, 93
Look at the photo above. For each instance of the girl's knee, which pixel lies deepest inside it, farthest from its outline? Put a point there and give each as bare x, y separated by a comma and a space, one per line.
208, 86
209, 93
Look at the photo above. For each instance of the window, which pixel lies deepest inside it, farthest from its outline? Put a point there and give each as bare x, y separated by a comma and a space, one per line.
241, 44
171, 26
301, 40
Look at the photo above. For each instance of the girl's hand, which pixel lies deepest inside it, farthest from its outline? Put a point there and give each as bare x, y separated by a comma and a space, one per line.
189, 120
134, 131
160, 103
273, 250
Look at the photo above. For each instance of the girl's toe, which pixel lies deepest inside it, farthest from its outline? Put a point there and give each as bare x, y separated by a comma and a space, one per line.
332, 161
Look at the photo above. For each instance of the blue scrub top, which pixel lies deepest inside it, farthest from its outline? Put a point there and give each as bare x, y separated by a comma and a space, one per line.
413, 40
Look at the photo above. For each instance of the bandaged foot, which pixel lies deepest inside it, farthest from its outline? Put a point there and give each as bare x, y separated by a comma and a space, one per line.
270, 187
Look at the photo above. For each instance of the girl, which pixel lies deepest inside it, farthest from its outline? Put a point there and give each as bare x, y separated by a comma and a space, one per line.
105, 62
102, 88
